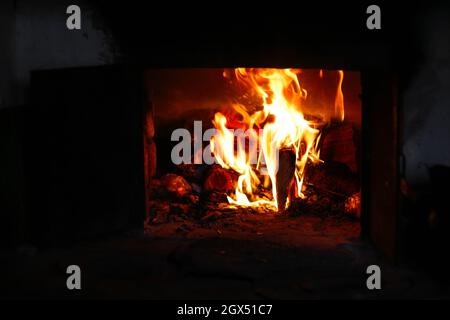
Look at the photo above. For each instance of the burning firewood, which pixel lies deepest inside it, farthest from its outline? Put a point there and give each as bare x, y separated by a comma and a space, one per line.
353, 205
218, 179
281, 124
285, 175
175, 185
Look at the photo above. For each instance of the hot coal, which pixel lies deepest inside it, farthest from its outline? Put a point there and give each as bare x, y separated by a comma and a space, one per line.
218, 179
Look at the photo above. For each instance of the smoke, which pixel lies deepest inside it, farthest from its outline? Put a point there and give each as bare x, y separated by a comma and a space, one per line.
426, 108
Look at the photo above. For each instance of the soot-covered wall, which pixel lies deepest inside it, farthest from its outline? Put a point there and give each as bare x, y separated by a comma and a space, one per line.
34, 36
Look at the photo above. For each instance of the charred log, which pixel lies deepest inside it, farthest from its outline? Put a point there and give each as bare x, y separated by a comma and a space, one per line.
285, 176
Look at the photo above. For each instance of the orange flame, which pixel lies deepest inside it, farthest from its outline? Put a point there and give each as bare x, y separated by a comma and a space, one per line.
278, 124
339, 102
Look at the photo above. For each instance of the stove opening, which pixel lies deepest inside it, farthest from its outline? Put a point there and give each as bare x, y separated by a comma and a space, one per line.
253, 152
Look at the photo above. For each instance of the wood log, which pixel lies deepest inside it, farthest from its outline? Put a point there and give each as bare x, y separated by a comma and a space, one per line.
218, 179
353, 205
175, 185
340, 144
333, 177
285, 175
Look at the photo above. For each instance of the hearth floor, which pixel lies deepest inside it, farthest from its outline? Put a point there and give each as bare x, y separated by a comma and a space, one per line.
233, 257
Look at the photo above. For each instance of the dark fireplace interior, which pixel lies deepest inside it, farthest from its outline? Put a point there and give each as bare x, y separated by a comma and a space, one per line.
108, 166
190, 198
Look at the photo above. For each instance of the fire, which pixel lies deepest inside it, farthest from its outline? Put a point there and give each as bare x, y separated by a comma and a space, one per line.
278, 124
339, 102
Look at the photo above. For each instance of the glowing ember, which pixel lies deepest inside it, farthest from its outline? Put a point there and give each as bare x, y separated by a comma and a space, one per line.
278, 124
